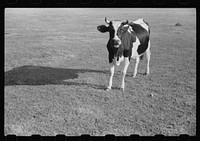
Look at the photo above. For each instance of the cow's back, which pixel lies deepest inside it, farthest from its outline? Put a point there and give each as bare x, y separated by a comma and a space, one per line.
142, 34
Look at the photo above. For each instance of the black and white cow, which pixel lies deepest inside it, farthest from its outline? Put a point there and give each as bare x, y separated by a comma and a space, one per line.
127, 40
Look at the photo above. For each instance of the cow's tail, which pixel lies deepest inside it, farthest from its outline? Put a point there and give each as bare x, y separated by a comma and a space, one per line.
142, 57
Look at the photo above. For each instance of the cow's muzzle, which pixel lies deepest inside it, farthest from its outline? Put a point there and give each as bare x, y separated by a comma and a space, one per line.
116, 43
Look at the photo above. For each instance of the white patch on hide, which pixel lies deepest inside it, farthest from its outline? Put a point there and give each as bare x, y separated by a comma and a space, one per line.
134, 49
130, 29
116, 25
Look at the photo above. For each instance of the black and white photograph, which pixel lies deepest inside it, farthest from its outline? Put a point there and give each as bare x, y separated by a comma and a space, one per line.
100, 71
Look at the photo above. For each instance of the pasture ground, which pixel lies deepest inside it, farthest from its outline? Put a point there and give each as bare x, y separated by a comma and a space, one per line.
56, 69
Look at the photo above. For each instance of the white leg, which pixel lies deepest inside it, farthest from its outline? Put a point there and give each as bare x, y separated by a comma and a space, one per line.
136, 66
126, 64
148, 54
112, 69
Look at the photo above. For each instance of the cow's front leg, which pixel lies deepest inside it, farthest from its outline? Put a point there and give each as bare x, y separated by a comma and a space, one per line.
112, 70
126, 64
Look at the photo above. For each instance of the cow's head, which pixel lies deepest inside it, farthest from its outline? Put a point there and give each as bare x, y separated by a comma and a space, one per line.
113, 29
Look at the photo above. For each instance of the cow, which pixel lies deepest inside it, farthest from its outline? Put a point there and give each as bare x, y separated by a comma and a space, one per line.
127, 40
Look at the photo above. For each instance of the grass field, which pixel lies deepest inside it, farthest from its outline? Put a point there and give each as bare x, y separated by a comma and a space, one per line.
56, 70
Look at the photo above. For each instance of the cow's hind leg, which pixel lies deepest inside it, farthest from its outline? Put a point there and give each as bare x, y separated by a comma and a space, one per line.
148, 54
136, 66
126, 64
112, 70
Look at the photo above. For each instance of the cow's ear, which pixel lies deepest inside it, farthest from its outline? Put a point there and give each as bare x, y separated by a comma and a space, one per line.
102, 28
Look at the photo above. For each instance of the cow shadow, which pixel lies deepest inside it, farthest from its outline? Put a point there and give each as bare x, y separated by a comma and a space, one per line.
39, 75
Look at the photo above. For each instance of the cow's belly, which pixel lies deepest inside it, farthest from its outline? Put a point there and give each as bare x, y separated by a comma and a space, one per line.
135, 48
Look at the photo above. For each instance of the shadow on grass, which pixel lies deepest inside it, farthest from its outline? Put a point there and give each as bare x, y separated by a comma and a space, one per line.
38, 75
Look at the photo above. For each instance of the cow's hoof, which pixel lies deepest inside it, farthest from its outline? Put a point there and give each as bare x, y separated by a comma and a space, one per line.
146, 73
121, 89
133, 75
108, 89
